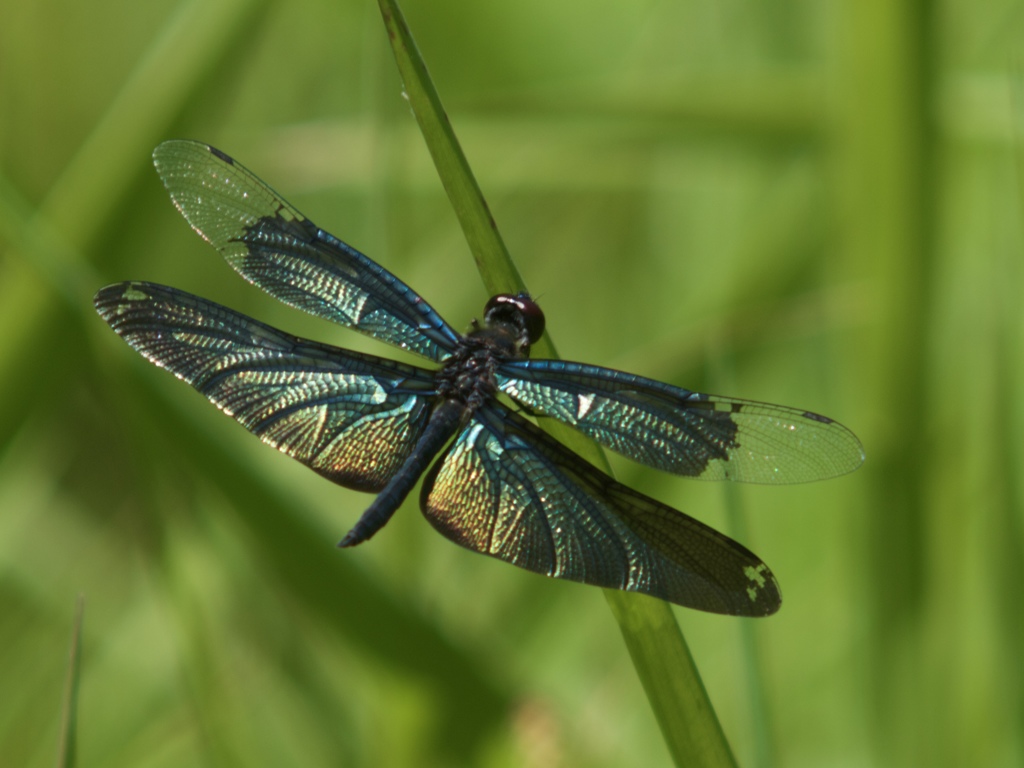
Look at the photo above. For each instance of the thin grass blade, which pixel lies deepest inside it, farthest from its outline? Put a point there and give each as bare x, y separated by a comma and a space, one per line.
656, 645
69, 707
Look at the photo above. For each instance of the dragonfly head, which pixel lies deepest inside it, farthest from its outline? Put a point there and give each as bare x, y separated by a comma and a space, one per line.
519, 311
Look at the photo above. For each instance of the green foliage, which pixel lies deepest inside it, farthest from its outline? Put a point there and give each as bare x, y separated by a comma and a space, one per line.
820, 200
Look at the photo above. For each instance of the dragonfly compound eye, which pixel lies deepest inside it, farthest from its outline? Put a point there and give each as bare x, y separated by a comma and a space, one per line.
506, 307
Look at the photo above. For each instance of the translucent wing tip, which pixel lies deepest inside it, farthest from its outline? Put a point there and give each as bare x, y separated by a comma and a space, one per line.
219, 198
847, 453
780, 446
174, 149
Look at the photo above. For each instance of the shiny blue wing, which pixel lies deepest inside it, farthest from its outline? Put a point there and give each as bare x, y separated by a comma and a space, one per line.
683, 432
352, 418
275, 247
506, 489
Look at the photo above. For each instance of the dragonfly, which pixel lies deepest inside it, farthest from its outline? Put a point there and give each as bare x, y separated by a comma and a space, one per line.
492, 480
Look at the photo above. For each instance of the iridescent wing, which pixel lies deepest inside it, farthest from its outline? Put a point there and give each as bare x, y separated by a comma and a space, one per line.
687, 433
352, 418
508, 490
275, 247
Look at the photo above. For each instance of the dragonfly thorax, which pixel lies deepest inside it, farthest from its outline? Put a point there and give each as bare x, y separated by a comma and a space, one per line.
468, 376
512, 324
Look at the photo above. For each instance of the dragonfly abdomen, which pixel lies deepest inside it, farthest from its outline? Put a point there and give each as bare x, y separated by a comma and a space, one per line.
444, 422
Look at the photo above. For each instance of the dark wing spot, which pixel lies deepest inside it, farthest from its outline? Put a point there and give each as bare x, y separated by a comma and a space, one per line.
817, 417
217, 153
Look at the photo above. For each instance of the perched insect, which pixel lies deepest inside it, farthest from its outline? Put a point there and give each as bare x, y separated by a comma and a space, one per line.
495, 483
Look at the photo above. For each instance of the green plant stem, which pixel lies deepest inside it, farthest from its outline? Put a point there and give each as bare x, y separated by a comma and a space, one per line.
69, 707
660, 655
671, 681
492, 258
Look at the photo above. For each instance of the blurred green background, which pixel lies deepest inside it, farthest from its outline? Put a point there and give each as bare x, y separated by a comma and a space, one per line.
807, 203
